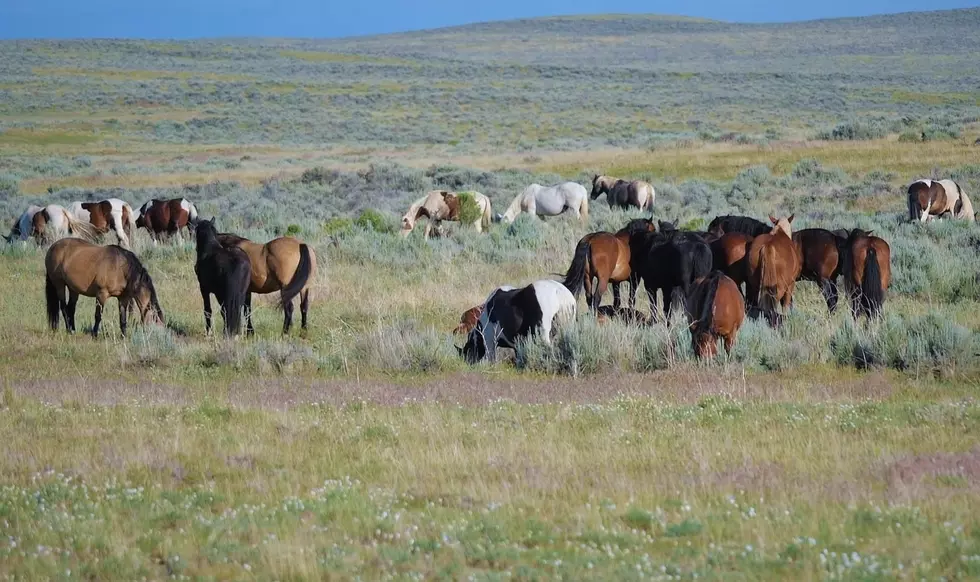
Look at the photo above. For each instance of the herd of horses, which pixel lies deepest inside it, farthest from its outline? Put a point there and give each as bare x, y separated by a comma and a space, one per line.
739, 267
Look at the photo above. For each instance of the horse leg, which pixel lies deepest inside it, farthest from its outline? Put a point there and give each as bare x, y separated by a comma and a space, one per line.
634, 282
616, 297
599, 292
546, 330
69, 311
123, 313
206, 296
99, 304
247, 306
829, 291
589, 291
304, 305
287, 322
729, 343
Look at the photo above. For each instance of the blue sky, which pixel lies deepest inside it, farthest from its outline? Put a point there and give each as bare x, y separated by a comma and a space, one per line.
337, 18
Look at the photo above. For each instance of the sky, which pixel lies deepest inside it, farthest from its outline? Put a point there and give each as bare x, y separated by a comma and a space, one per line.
340, 18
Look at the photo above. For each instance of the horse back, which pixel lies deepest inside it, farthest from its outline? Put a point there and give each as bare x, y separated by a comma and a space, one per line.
818, 250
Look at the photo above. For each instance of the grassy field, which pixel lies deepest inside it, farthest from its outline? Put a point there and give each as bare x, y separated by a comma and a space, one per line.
365, 448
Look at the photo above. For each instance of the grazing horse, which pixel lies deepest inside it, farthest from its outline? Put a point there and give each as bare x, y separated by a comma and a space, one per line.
225, 272
623, 194
819, 250
601, 258
867, 272
161, 217
105, 215
667, 261
774, 264
933, 198
715, 309
743, 224
512, 314
283, 264
56, 221
538, 200
75, 267
440, 205
729, 252
468, 320
23, 226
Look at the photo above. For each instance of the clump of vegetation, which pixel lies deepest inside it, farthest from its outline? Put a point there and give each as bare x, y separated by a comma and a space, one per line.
375, 221
469, 210
856, 130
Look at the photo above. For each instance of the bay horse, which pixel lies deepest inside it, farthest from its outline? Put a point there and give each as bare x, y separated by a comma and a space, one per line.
729, 254
166, 217
744, 224
105, 215
53, 222
439, 205
929, 199
538, 200
867, 272
715, 310
774, 265
601, 258
623, 194
819, 250
74, 267
283, 264
468, 320
224, 272
510, 315
668, 261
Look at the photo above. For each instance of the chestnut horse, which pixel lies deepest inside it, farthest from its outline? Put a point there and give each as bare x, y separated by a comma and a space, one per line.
283, 264
729, 253
715, 310
819, 249
867, 272
774, 265
601, 258
74, 267
623, 193
160, 217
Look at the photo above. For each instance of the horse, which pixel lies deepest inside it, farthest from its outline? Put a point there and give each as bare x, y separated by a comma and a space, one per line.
23, 225
468, 320
744, 224
160, 217
774, 265
105, 215
510, 315
667, 261
623, 194
607, 313
283, 264
225, 272
867, 272
74, 267
729, 252
715, 310
439, 205
57, 221
603, 257
819, 250
538, 200
933, 198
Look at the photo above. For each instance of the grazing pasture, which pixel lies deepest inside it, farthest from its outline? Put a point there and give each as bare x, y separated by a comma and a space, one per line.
364, 445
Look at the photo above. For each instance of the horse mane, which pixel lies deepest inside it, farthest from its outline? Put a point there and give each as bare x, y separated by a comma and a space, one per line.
514, 208
229, 239
706, 313
138, 277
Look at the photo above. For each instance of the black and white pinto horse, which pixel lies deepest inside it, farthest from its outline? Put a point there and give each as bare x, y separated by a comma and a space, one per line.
511, 314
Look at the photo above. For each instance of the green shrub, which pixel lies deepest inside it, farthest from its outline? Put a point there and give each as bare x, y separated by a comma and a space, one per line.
293, 230
854, 131
371, 219
317, 175
469, 210
337, 225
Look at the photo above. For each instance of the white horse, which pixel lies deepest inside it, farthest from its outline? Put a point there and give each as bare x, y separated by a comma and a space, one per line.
105, 215
54, 222
538, 200
511, 314
23, 226
439, 205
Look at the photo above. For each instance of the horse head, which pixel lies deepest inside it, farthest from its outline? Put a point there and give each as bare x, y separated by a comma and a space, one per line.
497, 217
666, 226
782, 224
598, 185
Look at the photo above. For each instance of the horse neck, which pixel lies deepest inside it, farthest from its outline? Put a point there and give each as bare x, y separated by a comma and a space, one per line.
515, 206
207, 245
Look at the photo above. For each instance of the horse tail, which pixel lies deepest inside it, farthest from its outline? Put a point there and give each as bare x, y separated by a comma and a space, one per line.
82, 229
300, 278
913, 204
487, 216
707, 311
872, 291
652, 195
575, 277
234, 302
53, 302
761, 295
583, 209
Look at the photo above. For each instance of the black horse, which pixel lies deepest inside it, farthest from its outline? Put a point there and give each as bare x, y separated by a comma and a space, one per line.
225, 272
742, 224
667, 261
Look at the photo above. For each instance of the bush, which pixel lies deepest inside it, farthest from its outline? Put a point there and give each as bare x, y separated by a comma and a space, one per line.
317, 175
337, 225
469, 210
370, 219
9, 185
854, 131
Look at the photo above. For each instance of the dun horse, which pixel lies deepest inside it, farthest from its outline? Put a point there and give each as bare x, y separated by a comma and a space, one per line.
75, 267
166, 217
774, 266
623, 194
440, 205
112, 214
224, 272
867, 272
715, 310
538, 200
283, 264
601, 258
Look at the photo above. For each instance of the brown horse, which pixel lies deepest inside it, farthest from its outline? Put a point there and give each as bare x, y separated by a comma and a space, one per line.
283, 264
161, 217
602, 258
821, 261
867, 272
774, 265
74, 267
715, 310
934, 198
607, 313
622, 193
729, 253
468, 320
105, 215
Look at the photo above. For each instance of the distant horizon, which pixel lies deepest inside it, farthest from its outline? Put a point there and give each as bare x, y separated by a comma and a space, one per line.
305, 19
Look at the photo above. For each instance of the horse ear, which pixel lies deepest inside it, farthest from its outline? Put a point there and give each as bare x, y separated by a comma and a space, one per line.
773, 219
791, 216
